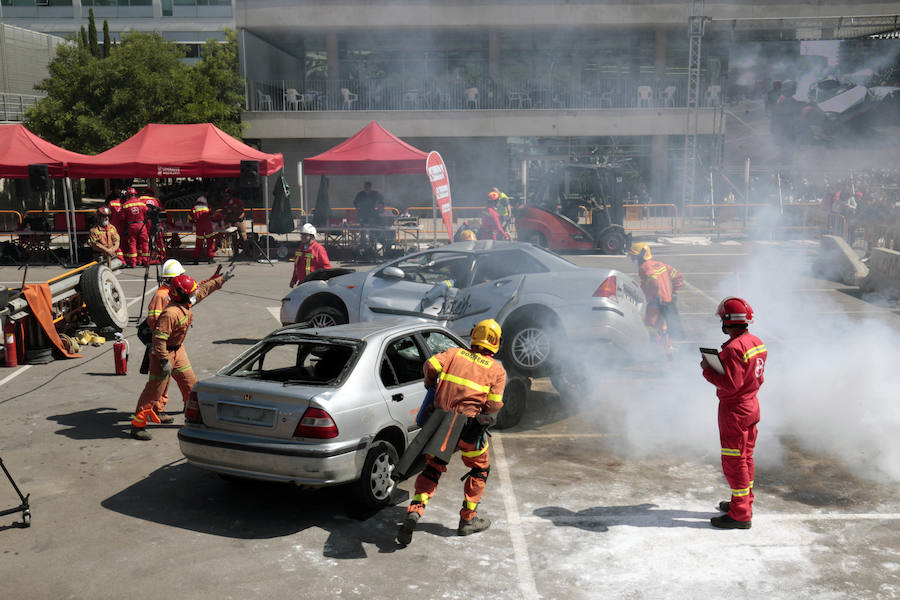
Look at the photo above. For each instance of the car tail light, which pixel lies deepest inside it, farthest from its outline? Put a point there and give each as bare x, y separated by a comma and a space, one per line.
607, 289
192, 412
316, 423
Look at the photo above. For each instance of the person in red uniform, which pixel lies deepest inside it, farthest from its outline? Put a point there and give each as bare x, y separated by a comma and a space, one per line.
137, 241
660, 283
310, 255
104, 238
206, 239
743, 357
471, 383
114, 203
491, 228
233, 211
157, 254
168, 358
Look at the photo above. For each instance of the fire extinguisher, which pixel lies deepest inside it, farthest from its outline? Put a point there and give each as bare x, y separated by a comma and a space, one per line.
120, 354
9, 342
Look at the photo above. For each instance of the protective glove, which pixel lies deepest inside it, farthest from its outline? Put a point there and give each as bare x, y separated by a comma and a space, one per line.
165, 366
228, 274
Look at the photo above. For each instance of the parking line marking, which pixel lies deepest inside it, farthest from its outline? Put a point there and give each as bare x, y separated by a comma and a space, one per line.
527, 435
520, 548
150, 291
15, 374
275, 311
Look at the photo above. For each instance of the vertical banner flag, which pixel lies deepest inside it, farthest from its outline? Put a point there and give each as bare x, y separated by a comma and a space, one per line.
440, 185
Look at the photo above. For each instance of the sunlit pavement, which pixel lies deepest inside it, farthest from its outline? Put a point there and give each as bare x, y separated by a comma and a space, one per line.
603, 496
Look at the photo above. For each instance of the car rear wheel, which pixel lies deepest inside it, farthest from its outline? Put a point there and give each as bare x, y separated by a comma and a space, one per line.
529, 347
536, 238
375, 483
323, 316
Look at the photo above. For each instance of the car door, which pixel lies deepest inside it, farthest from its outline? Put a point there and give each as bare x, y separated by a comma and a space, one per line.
402, 378
418, 287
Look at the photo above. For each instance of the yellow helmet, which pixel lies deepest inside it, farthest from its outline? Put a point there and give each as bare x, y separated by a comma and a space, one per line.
640, 251
487, 335
467, 235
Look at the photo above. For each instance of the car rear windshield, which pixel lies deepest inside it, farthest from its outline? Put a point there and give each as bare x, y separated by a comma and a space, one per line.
297, 361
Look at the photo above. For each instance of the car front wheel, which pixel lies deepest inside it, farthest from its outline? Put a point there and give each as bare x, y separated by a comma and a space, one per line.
375, 483
529, 348
323, 316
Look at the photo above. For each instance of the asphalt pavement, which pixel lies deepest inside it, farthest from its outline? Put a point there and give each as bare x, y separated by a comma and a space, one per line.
608, 495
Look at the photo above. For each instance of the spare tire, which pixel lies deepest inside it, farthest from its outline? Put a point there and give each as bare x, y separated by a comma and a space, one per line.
104, 297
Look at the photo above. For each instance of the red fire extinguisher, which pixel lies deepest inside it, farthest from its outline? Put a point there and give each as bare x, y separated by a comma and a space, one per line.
9, 342
120, 353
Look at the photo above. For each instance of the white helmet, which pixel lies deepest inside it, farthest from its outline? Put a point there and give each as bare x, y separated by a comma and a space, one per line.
201, 200
308, 228
172, 268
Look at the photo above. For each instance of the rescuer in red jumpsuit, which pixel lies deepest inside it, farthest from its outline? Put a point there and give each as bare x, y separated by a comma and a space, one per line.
743, 359
158, 255
660, 283
206, 239
310, 255
137, 240
491, 228
471, 383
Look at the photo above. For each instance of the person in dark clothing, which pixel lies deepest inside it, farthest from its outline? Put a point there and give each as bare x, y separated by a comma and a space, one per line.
364, 203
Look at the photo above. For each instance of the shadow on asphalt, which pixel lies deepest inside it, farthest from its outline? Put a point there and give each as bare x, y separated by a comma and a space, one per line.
179, 495
94, 424
600, 518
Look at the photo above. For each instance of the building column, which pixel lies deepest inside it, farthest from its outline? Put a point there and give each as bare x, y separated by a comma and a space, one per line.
494, 55
659, 170
334, 70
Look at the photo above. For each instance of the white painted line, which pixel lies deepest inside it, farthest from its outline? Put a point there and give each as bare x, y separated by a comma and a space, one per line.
275, 311
649, 518
520, 548
14, 374
150, 291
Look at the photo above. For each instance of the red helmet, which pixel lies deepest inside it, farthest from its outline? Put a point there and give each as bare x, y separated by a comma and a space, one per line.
181, 287
103, 212
130, 192
735, 311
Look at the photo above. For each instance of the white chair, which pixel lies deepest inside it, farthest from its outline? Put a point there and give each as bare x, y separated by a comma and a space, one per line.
292, 99
263, 101
606, 100
349, 98
669, 96
713, 95
645, 96
471, 97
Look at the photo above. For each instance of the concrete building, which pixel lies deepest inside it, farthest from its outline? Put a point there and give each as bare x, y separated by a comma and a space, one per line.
489, 83
24, 55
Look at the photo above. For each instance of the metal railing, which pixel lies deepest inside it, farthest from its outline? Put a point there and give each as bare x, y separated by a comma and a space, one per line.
643, 91
13, 106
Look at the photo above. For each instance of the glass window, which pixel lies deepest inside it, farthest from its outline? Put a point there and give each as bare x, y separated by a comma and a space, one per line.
405, 359
437, 342
435, 267
309, 362
497, 265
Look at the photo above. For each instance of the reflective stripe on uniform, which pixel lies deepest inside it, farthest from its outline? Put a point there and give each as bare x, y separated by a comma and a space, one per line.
753, 352
158, 377
474, 453
182, 369
183, 319
741, 492
161, 335
423, 498
465, 382
470, 505
436, 364
658, 272
731, 452
498, 398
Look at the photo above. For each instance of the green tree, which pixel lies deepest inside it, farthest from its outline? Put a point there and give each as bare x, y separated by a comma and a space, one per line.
92, 104
106, 38
83, 40
92, 34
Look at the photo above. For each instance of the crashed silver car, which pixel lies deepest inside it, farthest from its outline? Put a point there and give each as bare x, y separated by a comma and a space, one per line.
549, 308
316, 407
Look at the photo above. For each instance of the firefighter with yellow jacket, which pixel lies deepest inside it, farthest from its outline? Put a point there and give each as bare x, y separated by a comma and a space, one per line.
470, 383
168, 358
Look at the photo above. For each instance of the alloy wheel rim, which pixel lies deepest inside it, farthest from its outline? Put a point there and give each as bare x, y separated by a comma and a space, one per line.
531, 347
380, 478
323, 320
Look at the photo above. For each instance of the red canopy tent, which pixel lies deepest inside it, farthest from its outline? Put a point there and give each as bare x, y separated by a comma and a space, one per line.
372, 151
189, 150
20, 148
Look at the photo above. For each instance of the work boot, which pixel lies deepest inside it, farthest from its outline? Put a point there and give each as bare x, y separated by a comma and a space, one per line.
404, 534
164, 418
473, 525
141, 433
726, 522
724, 506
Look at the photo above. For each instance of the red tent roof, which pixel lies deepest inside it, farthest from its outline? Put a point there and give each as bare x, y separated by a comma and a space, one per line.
372, 151
192, 150
20, 148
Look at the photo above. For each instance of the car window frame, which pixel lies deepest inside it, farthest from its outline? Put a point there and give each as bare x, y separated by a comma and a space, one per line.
467, 276
418, 345
520, 251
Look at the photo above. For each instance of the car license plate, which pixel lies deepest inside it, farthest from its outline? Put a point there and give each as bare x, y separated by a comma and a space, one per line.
249, 415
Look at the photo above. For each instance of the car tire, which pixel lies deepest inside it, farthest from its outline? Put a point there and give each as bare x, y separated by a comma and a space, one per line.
529, 347
323, 316
375, 484
536, 238
570, 383
515, 401
104, 297
612, 242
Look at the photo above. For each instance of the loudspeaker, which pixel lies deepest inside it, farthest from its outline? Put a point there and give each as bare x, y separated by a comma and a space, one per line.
249, 173
39, 177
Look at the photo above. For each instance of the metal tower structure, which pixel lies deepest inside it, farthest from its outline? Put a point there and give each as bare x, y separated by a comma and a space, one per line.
696, 23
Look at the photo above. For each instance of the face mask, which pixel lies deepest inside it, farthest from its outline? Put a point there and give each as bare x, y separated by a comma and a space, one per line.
104, 222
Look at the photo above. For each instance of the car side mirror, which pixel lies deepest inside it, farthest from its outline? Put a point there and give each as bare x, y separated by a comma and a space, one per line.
393, 273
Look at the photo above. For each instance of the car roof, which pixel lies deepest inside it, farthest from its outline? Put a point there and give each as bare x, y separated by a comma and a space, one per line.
365, 330
482, 246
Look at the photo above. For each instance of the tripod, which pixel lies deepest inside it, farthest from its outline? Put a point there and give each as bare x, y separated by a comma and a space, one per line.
23, 508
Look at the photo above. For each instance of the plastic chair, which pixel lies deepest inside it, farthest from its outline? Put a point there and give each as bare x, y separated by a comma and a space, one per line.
645, 96
471, 97
263, 101
669, 95
349, 98
292, 99
606, 100
713, 95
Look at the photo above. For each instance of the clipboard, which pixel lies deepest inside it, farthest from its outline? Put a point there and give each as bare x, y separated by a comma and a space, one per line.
712, 357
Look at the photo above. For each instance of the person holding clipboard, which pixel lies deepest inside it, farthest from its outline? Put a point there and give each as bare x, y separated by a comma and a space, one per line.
737, 372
